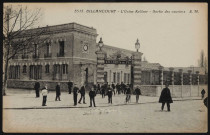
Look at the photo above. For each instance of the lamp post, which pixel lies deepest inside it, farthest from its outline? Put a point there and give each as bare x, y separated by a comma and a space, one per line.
137, 45
100, 63
100, 43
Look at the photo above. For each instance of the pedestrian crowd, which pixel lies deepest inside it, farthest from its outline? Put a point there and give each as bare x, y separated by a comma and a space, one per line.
106, 90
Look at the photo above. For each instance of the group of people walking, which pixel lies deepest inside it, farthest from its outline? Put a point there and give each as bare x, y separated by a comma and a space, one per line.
106, 89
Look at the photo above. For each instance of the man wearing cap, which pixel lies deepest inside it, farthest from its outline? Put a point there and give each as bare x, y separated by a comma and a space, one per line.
82, 92
98, 89
138, 92
113, 87
36, 87
70, 84
202, 93
75, 93
109, 93
58, 92
103, 89
165, 97
44, 94
92, 95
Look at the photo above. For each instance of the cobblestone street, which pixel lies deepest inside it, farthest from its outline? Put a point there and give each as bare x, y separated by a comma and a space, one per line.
24, 113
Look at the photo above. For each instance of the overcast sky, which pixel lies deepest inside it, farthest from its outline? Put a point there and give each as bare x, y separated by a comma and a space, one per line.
171, 39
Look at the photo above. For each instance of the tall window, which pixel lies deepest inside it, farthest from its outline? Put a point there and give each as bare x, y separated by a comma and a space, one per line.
114, 77
48, 48
128, 76
118, 77
47, 68
25, 51
125, 77
36, 53
61, 52
65, 68
14, 72
35, 72
24, 69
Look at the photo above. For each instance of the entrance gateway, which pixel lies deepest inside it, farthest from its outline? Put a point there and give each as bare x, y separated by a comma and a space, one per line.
132, 63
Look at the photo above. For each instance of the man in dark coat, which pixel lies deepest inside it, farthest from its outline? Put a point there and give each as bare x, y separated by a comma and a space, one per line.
92, 95
118, 88
82, 92
123, 87
106, 87
75, 93
109, 93
98, 89
113, 87
103, 89
205, 101
70, 85
128, 94
58, 92
36, 87
165, 97
95, 87
202, 93
137, 92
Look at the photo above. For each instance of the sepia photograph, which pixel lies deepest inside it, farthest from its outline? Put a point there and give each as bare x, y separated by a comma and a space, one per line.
105, 67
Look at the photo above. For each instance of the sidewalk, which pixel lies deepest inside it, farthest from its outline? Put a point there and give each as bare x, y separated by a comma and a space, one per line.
25, 99
24, 113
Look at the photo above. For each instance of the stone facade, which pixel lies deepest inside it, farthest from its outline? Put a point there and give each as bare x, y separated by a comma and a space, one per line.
74, 37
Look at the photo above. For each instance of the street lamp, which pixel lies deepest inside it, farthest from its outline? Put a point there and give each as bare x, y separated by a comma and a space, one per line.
137, 45
100, 43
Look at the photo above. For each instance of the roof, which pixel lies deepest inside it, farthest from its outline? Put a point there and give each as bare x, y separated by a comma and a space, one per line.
59, 28
149, 66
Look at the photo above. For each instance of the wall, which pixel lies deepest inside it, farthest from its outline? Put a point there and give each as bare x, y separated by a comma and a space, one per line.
149, 90
30, 84
176, 90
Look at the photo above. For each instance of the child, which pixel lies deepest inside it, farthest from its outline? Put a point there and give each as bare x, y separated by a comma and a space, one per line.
44, 94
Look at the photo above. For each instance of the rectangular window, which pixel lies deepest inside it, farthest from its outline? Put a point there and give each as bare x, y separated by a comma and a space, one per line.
118, 77
128, 76
35, 72
24, 69
61, 43
14, 72
48, 48
125, 77
114, 77
47, 68
65, 68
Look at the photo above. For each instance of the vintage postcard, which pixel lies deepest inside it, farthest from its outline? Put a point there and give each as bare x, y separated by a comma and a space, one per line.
105, 68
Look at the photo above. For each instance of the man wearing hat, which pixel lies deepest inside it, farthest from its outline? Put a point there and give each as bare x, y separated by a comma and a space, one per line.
165, 97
